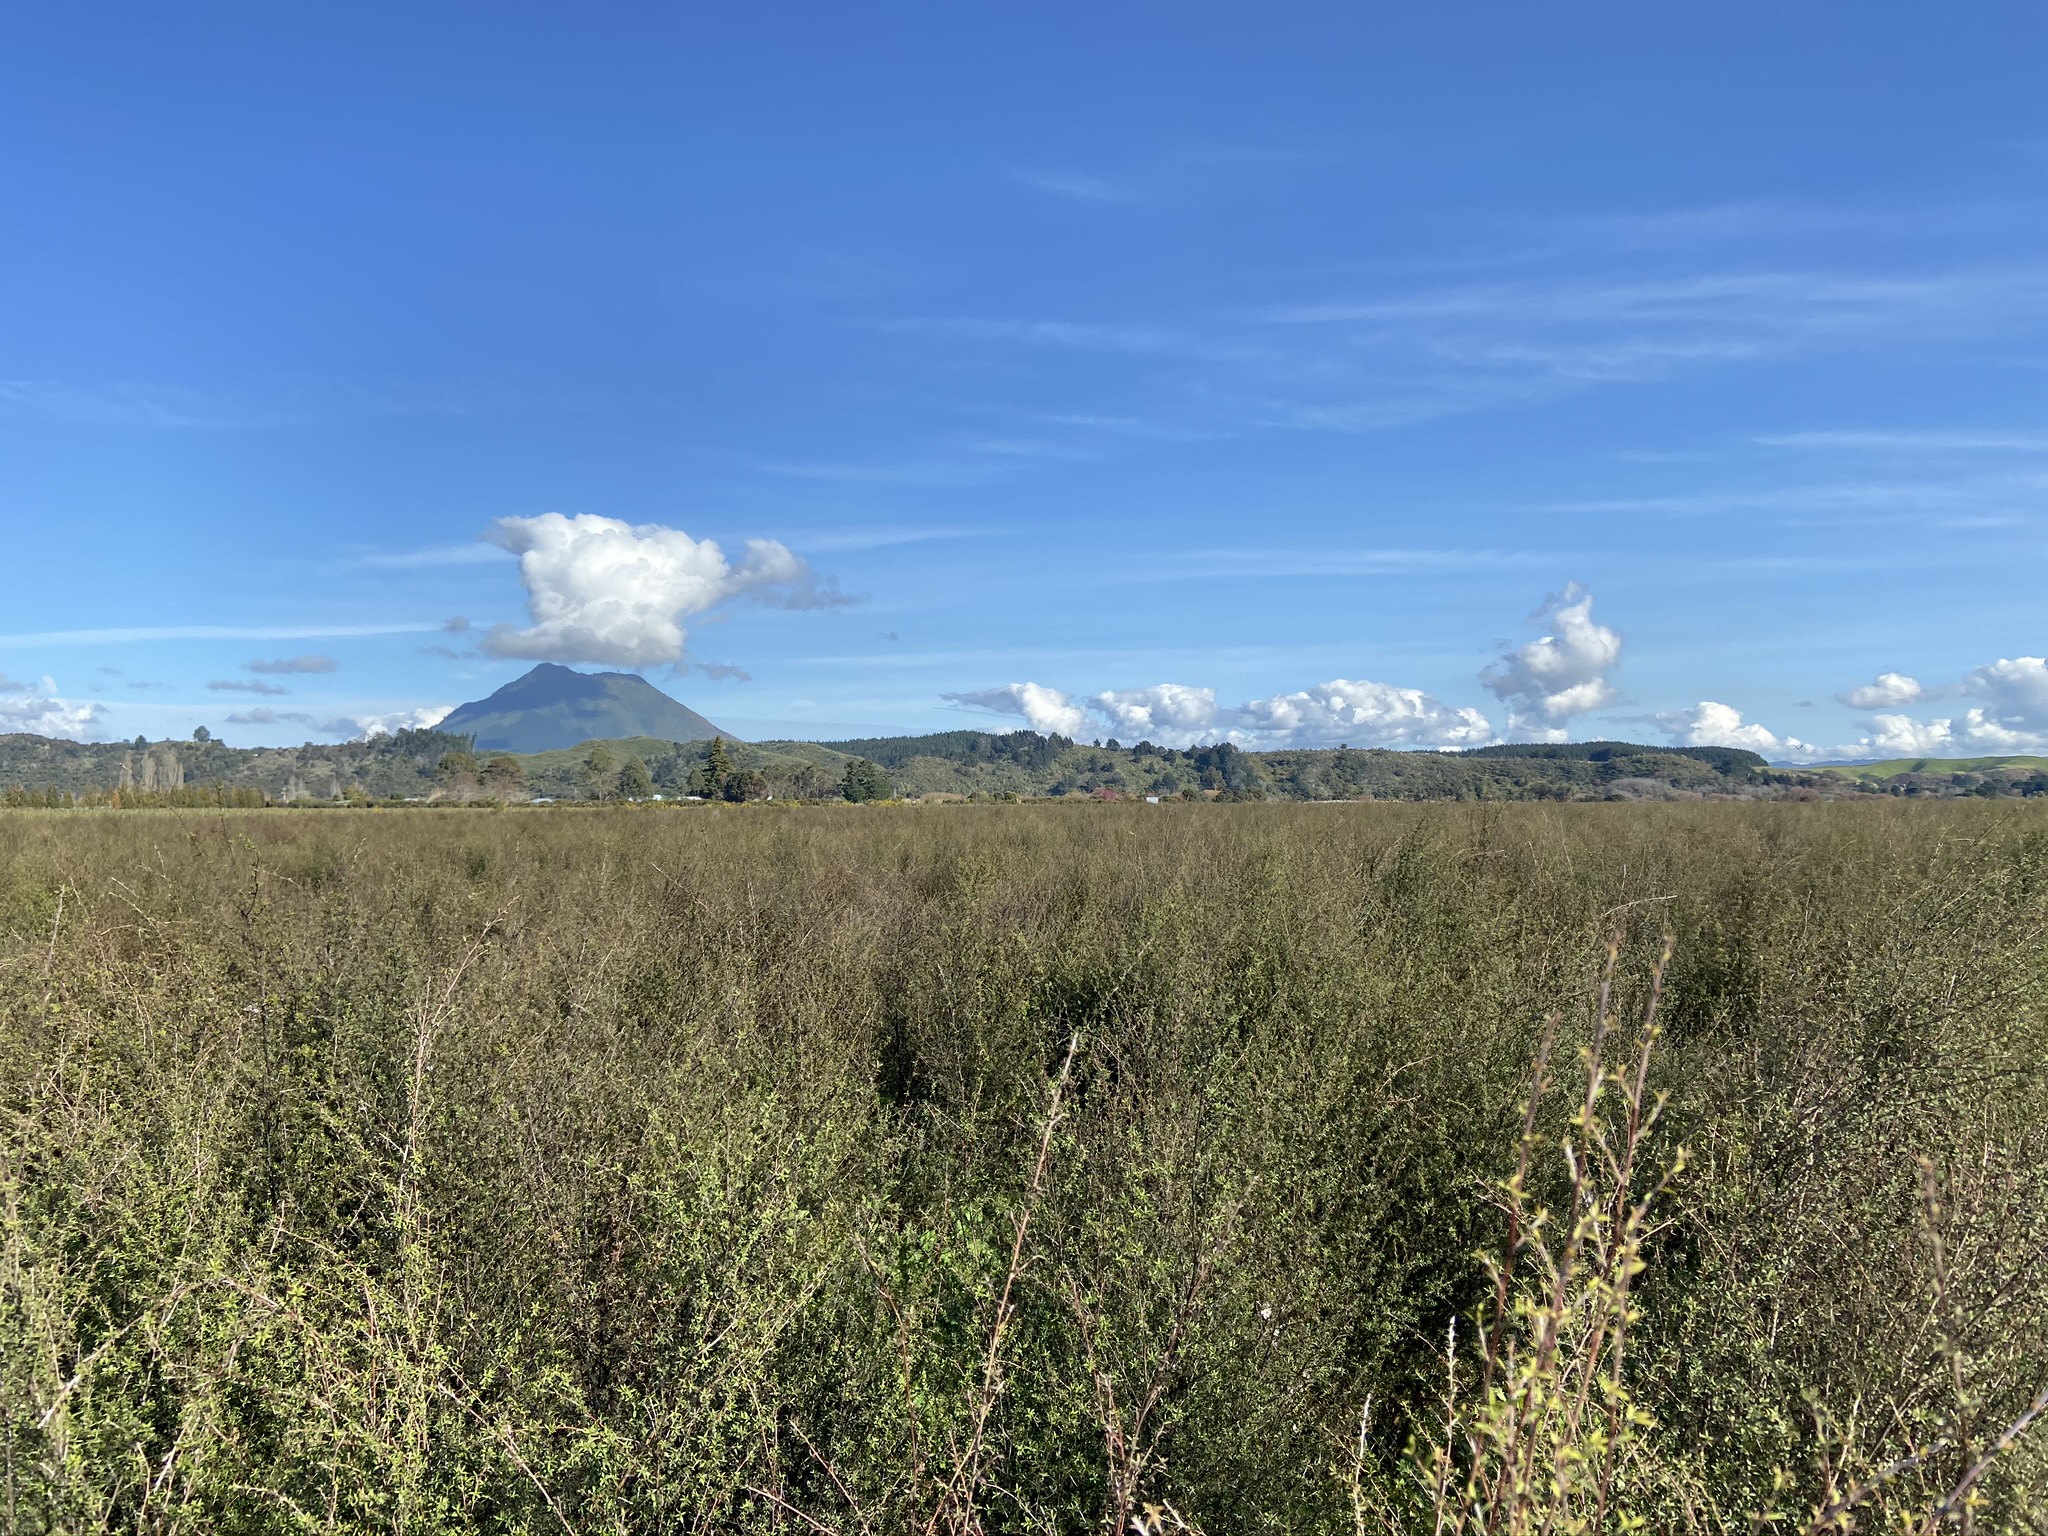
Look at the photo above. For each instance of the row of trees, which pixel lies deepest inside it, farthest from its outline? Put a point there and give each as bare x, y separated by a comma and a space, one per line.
717, 776
184, 797
463, 774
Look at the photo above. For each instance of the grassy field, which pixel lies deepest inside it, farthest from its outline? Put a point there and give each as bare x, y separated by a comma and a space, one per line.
1891, 768
1026, 1169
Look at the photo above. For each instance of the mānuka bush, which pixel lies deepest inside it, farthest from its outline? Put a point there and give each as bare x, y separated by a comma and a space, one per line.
1272, 1168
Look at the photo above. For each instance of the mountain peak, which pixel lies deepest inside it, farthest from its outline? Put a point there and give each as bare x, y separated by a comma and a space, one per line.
553, 706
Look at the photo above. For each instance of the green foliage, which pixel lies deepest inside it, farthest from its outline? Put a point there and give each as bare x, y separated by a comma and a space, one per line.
1022, 764
864, 781
1729, 760
184, 797
1023, 1168
600, 771
1027, 749
635, 783
502, 774
712, 774
1893, 767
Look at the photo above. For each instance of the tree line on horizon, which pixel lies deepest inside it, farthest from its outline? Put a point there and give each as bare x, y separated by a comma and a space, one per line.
431, 765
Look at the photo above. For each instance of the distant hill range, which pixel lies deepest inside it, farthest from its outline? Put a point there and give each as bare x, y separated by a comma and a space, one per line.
674, 758
1896, 767
552, 707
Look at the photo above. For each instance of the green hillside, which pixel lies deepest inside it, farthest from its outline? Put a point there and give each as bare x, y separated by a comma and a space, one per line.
1893, 767
786, 770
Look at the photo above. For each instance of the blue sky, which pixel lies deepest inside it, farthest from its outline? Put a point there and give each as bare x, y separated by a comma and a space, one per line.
1562, 371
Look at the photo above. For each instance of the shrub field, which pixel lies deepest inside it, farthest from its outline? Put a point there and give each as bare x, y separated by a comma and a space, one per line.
1037, 1169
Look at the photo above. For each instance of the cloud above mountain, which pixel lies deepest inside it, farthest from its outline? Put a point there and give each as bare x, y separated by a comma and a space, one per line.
602, 590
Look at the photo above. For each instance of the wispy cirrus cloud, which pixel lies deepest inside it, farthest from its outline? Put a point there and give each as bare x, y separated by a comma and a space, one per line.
1083, 188
112, 404
1281, 561
834, 540
1809, 301
932, 474
1137, 427
1078, 335
442, 554
1626, 300
1913, 442
1175, 174
273, 402
213, 632
1981, 500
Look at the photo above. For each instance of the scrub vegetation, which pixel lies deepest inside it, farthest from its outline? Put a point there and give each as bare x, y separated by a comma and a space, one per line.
436, 766
1035, 1168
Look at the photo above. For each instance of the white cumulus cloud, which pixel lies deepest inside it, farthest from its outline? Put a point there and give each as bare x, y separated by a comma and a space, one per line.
1363, 713
1545, 683
1042, 708
391, 724
1708, 724
1903, 736
603, 590
40, 710
1178, 715
2012, 718
1168, 714
1889, 691
2016, 694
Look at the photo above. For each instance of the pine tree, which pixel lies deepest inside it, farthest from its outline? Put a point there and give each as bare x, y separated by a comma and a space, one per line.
714, 772
865, 781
